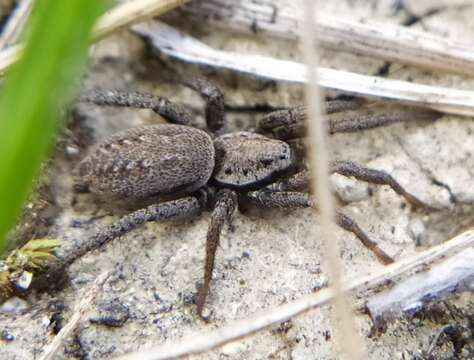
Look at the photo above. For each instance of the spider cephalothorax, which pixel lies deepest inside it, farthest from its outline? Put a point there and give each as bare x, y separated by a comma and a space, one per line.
193, 169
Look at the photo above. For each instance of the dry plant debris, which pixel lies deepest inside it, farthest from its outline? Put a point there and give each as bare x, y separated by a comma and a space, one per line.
158, 267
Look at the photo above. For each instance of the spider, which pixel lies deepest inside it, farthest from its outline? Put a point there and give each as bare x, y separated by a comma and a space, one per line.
177, 170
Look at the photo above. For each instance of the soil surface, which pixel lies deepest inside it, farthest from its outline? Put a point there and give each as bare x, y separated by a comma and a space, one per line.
266, 257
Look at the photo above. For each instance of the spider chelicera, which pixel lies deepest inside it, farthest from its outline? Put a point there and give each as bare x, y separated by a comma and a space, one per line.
177, 170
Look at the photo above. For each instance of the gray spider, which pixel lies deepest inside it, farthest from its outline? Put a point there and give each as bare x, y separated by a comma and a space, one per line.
178, 170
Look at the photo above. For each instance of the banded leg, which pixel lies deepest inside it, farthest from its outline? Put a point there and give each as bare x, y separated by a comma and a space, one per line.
290, 200
215, 106
371, 121
298, 114
226, 203
296, 128
180, 208
172, 112
379, 177
296, 182
301, 180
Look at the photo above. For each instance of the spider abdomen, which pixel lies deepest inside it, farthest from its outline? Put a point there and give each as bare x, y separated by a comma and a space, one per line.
248, 160
147, 161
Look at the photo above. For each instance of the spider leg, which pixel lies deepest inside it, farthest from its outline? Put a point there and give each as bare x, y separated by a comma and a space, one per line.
295, 182
298, 114
290, 200
350, 168
301, 180
370, 121
226, 202
172, 112
215, 106
285, 126
180, 208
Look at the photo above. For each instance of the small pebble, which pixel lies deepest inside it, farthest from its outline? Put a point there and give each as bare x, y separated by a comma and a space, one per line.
233, 348
6, 336
113, 315
71, 150
13, 305
417, 228
23, 282
349, 190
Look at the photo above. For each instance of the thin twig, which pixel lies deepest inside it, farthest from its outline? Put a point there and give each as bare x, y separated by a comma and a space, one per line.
201, 342
384, 41
420, 8
15, 25
121, 16
450, 276
182, 46
83, 306
436, 338
343, 319
132, 12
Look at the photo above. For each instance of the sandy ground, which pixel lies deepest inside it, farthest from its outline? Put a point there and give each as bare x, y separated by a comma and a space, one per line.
265, 258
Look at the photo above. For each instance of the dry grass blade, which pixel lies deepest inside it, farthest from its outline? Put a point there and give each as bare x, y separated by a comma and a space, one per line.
389, 42
115, 19
83, 306
132, 12
343, 320
9, 56
453, 275
182, 46
201, 342
14, 27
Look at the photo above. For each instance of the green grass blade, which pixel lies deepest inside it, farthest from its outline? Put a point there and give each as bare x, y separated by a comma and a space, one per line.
35, 91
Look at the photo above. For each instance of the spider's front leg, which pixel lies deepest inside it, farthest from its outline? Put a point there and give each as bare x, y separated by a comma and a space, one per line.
290, 123
225, 205
301, 180
297, 115
290, 200
379, 177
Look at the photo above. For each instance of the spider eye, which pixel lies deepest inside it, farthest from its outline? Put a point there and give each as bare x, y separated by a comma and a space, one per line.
266, 162
228, 171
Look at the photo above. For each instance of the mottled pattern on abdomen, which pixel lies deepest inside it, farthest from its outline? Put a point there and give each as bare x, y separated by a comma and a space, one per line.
148, 161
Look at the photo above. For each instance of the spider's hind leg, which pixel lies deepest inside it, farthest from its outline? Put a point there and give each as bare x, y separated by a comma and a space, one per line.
180, 208
215, 105
225, 205
172, 112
